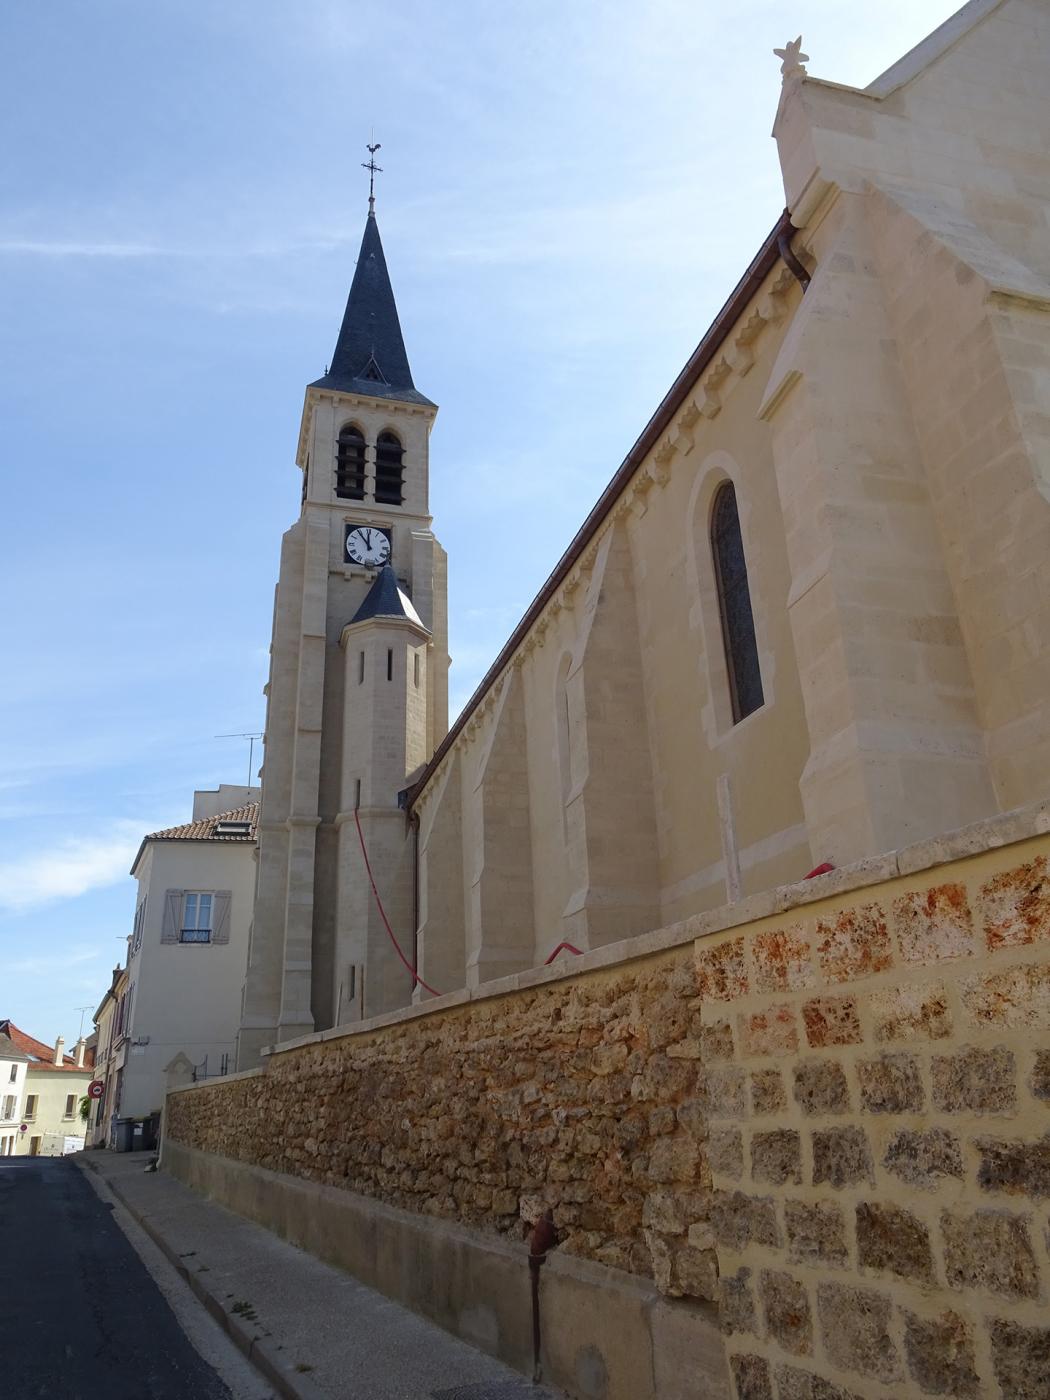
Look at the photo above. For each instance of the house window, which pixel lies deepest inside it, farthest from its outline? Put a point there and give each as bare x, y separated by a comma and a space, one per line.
71, 1104
30, 1107
13, 1075
734, 599
196, 918
350, 464
140, 919
389, 469
9, 1106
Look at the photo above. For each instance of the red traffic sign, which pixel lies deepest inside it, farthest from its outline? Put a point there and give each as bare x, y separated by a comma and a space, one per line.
95, 1089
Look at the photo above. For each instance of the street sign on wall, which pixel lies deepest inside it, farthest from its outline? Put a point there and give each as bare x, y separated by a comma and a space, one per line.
95, 1089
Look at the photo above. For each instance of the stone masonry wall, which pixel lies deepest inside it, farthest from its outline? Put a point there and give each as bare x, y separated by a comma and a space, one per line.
880, 1138
835, 1119
583, 1094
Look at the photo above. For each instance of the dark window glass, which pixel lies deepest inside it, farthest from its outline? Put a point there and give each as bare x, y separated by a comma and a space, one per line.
734, 598
350, 464
389, 469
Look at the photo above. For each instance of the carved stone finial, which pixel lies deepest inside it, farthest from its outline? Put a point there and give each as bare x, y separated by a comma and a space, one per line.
794, 62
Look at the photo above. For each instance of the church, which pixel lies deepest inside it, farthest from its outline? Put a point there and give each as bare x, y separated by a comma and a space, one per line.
711, 940
806, 624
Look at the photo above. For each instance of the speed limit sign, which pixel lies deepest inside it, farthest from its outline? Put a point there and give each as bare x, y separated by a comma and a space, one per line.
95, 1089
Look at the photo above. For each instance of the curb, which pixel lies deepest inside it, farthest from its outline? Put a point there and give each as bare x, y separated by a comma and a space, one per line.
263, 1355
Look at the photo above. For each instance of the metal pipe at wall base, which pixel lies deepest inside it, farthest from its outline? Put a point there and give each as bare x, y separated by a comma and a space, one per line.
542, 1238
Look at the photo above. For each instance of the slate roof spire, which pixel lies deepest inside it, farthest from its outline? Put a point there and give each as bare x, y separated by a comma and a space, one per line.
386, 598
370, 356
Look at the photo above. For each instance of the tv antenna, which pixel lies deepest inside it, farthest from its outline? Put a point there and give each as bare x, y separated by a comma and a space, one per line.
251, 748
82, 1009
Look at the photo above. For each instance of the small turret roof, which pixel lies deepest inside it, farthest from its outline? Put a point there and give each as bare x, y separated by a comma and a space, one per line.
386, 598
370, 356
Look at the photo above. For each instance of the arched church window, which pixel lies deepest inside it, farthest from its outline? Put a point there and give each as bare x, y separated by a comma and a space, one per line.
350, 464
734, 599
389, 469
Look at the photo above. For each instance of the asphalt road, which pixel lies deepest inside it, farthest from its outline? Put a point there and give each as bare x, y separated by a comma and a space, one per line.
80, 1316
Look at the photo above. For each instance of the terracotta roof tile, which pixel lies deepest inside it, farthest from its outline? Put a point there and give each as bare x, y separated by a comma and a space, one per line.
40, 1056
205, 829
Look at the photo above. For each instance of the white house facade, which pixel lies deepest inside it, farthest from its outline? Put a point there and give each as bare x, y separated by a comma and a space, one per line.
187, 954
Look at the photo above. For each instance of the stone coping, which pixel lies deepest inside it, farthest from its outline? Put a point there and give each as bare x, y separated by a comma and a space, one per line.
223, 1078
1004, 829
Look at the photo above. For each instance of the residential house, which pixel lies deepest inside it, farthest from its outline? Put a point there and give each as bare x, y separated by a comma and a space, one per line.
54, 1085
13, 1064
178, 1002
109, 1056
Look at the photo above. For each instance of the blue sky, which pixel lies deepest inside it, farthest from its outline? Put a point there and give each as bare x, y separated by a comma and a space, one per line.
570, 191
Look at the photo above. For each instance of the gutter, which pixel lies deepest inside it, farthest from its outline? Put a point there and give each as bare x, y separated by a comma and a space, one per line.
776, 247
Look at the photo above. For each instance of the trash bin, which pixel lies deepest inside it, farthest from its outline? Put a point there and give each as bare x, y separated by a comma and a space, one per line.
149, 1132
123, 1134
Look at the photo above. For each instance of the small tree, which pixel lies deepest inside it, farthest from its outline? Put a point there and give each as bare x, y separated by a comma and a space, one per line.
85, 1108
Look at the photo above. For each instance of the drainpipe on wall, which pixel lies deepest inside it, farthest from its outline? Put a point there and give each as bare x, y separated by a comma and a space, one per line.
791, 259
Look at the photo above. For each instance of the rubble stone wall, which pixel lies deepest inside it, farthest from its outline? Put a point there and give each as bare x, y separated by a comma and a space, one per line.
831, 1115
583, 1094
879, 1136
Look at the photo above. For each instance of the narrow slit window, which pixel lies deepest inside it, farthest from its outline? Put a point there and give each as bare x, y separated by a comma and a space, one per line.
357, 793
350, 464
415, 669
390, 469
390, 664
360, 667
734, 600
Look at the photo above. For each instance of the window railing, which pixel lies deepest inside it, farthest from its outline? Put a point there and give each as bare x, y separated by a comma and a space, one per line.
195, 935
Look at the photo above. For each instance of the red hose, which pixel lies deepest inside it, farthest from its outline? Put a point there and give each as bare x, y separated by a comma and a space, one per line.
571, 947
382, 913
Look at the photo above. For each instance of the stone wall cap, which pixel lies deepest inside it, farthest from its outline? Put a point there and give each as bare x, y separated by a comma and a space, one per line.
223, 1078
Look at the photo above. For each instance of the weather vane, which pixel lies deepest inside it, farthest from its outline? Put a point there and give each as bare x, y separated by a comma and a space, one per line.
373, 171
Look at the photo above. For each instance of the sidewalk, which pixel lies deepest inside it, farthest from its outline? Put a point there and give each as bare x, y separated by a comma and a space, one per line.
313, 1332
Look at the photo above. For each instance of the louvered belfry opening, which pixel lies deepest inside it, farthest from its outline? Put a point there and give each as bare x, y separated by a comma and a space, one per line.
350, 464
389, 469
734, 597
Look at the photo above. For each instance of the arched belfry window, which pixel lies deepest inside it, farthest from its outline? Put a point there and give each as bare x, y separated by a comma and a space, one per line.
389, 469
734, 600
350, 464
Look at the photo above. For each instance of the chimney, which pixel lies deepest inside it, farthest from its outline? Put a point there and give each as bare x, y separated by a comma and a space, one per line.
60, 1044
79, 1050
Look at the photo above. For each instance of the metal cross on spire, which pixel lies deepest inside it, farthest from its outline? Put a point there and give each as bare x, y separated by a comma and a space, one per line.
373, 171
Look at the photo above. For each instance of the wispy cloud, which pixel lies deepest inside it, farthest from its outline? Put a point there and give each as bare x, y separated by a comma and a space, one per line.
101, 248
50, 248
69, 868
51, 963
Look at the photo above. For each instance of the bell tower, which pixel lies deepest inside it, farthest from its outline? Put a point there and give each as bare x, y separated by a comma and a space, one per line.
357, 697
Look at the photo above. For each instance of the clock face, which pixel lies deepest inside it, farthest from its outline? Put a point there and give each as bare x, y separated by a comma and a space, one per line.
365, 544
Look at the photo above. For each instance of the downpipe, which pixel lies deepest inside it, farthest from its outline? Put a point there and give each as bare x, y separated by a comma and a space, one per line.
542, 1238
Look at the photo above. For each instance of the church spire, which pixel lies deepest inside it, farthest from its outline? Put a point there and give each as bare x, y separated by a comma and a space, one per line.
370, 356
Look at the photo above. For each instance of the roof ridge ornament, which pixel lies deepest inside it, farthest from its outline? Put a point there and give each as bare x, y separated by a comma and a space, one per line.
793, 66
